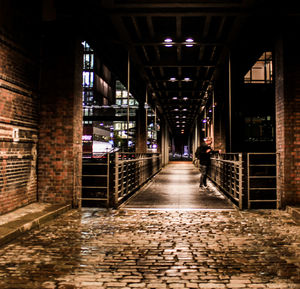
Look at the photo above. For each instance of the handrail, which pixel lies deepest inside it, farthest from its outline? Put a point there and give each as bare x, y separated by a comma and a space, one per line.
227, 174
130, 174
262, 183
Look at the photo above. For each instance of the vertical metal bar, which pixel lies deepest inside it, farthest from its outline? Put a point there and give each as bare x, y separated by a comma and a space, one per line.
230, 96
278, 180
146, 116
128, 91
213, 117
107, 179
116, 179
248, 180
240, 181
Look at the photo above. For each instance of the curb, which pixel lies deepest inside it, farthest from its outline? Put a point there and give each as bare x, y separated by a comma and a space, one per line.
14, 229
294, 212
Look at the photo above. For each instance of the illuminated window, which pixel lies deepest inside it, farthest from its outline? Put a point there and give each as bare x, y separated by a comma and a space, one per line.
261, 71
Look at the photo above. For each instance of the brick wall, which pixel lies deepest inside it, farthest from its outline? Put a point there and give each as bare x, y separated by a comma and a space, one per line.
60, 127
18, 111
287, 64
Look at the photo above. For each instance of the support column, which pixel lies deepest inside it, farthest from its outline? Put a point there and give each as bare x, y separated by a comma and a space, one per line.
287, 90
141, 130
164, 142
60, 127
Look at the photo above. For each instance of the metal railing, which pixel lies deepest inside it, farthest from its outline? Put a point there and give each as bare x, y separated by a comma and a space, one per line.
109, 178
262, 175
226, 171
249, 179
132, 170
96, 180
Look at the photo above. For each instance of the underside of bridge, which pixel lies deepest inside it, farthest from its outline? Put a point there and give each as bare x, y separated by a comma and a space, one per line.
225, 69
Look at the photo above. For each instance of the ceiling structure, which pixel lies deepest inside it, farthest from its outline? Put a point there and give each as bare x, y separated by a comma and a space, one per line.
176, 48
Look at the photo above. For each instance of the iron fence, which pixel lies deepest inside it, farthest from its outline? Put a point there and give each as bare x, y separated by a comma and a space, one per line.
226, 171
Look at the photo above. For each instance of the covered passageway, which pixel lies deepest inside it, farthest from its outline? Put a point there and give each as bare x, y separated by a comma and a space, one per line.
103, 104
98, 97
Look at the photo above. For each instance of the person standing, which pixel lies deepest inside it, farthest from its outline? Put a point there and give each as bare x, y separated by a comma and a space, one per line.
203, 153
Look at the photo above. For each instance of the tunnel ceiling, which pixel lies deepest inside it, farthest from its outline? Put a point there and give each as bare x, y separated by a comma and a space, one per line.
177, 73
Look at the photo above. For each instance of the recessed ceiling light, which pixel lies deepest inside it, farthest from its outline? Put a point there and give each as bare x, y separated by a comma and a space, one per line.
168, 41
190, 42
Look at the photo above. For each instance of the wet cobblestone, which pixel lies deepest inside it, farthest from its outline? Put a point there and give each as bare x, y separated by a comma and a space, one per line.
156, 249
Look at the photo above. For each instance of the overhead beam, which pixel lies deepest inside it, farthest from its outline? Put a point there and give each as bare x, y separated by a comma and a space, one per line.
179, 4
179, 12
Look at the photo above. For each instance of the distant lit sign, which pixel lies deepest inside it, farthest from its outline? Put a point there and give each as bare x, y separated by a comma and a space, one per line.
87, 137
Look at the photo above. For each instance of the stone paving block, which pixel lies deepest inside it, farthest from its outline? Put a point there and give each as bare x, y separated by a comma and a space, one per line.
157, 249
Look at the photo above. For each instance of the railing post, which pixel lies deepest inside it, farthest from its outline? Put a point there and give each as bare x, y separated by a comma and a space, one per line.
116, 179
240, 181
107, 179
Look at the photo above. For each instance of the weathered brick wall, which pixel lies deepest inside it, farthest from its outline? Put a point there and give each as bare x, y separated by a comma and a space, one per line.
287, 63
60, 127
18, 111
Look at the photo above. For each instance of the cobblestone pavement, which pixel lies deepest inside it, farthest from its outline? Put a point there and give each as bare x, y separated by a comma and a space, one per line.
156, 249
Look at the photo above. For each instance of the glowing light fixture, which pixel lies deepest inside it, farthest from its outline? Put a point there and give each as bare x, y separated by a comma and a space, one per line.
174, 97
168, 42
172, 79
189, 42
185, 98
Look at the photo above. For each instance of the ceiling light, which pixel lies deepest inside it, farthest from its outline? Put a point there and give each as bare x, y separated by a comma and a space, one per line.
172, 79
177, 116
184, 116
185, 98
190, 42
174, 97
176, 109
168, 40
184, 109
186, 79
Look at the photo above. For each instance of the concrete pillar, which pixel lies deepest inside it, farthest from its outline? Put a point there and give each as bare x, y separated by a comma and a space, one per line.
141, 130
287, 90
60, 127
165, 143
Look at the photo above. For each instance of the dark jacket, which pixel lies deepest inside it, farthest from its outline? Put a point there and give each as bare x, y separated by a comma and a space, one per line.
202, 154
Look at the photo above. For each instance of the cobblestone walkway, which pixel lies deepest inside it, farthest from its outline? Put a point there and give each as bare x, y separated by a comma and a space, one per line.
156, 249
